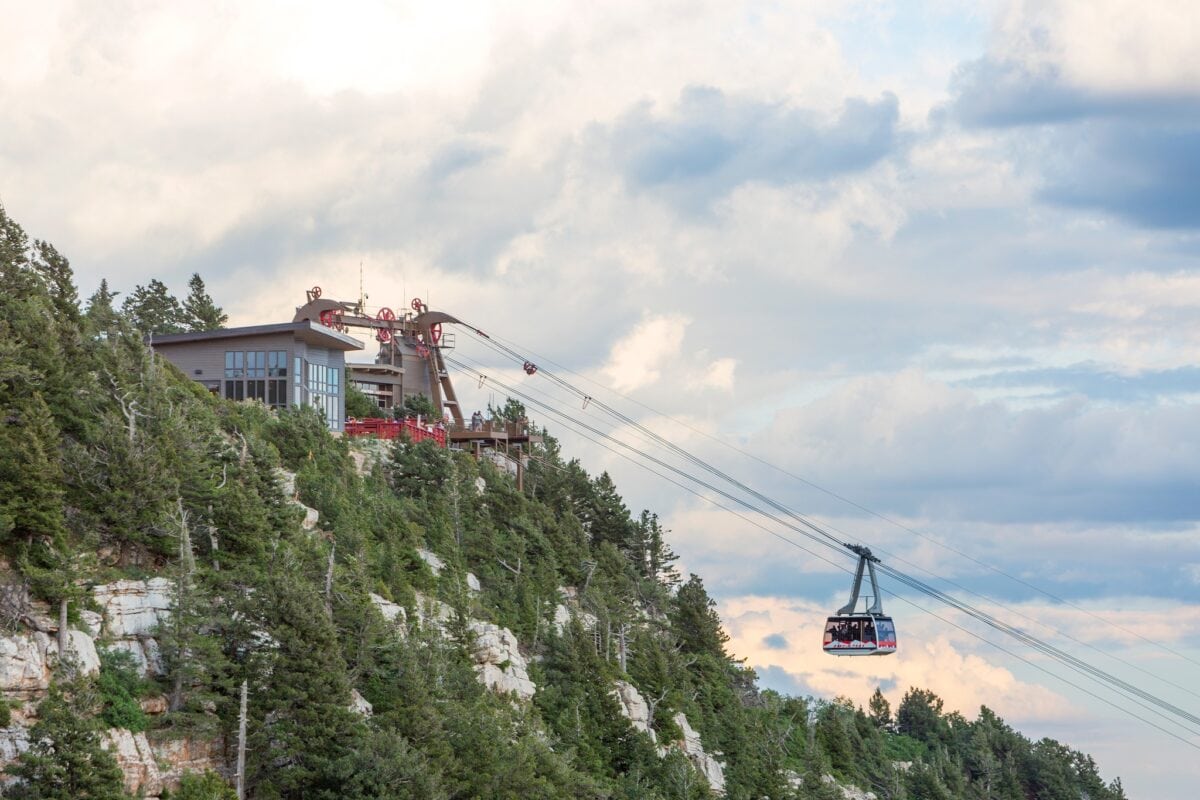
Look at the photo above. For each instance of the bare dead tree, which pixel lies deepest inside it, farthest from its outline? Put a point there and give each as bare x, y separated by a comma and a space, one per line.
187, 567
329, 581
130, 407
652, 706
62, 629
240, 778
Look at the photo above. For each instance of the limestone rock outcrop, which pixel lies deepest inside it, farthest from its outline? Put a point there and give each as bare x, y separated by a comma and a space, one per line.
634, 707
392, 612
432, 559
360, 705
27, 659
132, 611
499, 662
704, 763
136, 759
178, 757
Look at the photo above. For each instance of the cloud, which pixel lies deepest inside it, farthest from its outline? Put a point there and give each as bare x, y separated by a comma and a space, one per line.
637, 358
712, 142
1116, 87
911, 444
927, 657
775, 641
1056, 60
1096, 381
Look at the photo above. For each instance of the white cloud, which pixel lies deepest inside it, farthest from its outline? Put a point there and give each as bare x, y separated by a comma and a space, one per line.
637, 359
964, 679
1105, 45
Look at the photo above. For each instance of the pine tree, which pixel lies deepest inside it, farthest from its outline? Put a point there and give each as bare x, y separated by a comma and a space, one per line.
100, 314
305, 736
65, 760
199, 310
55, 273
696, 621
15, 276
31, 479
881, 709
153, 309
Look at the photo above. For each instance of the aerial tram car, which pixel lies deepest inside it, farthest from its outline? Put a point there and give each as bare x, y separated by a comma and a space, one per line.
861, 633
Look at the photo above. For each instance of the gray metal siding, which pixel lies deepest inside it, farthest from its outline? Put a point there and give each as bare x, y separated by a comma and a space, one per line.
204, 361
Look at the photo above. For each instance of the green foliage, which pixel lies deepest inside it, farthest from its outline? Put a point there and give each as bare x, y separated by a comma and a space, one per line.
153, 309
358, 405
114, 465
119, 686
199, 312
65, 760
419, 405
202, 786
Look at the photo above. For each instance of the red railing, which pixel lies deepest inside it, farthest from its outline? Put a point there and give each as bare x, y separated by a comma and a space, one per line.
394, 429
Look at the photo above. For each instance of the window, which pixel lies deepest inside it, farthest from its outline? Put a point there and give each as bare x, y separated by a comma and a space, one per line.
234, 361
256, 364
277, 364
245, 374
324, 390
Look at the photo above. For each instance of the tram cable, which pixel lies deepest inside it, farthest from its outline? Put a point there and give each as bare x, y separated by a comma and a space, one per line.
508, 349
991, 620
1110, 683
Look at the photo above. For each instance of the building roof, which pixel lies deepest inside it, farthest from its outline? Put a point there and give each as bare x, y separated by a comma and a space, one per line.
306, 331
374, 369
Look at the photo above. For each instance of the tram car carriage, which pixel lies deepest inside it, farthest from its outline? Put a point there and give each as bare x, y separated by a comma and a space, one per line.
861, 633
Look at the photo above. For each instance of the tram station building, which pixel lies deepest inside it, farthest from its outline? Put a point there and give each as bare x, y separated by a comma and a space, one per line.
288, 364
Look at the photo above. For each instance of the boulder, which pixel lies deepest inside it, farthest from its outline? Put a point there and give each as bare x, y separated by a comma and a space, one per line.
473, 583
154, 705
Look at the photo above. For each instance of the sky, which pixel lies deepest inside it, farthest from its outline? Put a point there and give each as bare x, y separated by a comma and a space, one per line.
936, 258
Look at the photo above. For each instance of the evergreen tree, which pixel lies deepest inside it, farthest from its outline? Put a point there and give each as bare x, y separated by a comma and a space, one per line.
305, 735
920, 716
15, 276
695, 620
199, 310
56, 276
153, 309
31, 478
65, 760
881, 709
100, 314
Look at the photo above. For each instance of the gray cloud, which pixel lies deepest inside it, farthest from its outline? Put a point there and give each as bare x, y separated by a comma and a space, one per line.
776, 641
1135, 155
712, 142
1096, 381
